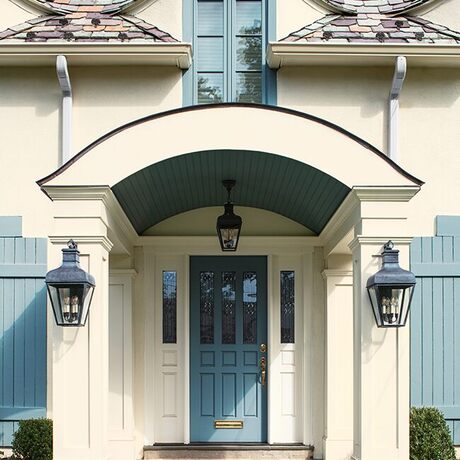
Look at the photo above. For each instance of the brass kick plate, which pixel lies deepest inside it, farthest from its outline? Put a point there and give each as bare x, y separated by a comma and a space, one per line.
228, 424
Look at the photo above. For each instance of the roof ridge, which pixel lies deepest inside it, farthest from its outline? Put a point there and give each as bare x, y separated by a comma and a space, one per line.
444, 30
146, 30
330, 17
24, 26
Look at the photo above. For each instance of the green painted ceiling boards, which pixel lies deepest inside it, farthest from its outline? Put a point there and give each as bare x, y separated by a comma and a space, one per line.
278, 184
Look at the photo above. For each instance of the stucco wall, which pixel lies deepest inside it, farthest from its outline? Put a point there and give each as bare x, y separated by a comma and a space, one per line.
165, 14
429, 119
104, 98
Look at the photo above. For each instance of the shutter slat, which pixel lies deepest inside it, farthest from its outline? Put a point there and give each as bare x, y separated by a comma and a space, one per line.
22, 332
435, 326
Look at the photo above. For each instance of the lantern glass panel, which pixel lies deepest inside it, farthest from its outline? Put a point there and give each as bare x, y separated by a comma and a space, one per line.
229, 238
390, 304
71, 303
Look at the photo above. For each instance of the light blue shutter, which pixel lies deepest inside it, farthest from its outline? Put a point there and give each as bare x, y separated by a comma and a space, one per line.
22, 328
435, 322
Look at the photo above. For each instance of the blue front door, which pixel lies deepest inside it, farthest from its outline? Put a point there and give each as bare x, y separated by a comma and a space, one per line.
228, 337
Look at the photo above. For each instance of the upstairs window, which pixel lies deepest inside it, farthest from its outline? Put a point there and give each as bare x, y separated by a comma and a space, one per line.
229, 41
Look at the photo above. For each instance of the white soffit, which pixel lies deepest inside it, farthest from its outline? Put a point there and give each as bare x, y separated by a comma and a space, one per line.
317, 54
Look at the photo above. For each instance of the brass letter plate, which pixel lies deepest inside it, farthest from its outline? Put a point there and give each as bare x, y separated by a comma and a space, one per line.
228, 424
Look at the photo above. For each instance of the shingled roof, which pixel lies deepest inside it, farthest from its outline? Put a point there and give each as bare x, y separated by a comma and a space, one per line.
99, 6
374, 28
374, 6
85, 27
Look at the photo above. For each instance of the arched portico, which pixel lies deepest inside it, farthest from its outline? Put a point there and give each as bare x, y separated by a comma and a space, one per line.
299, 166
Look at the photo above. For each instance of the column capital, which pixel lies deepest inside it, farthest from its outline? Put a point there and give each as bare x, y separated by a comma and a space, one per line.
361, 240
97, 239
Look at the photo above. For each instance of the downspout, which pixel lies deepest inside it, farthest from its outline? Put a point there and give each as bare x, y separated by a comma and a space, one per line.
393, 108
67, 103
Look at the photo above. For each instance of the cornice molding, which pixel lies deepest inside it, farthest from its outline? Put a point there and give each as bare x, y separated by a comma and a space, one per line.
391, 194
101, 193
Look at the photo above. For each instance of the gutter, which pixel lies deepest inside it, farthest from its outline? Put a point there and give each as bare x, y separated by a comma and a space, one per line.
282, 54
67, 105
393, 107
162, 54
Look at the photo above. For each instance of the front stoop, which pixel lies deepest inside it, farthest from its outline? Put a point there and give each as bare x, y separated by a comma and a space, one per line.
229, 452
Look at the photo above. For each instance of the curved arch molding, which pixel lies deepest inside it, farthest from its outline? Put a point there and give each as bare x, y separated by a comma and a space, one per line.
288, 162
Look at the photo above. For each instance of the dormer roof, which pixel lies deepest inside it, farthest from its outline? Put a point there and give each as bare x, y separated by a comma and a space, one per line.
374, 6
93, 6
374, 28
91, 27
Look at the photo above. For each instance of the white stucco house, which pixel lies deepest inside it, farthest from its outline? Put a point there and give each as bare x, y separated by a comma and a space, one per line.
338, 122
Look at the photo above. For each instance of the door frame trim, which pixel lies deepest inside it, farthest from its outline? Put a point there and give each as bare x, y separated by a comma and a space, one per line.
267, 294
180, 247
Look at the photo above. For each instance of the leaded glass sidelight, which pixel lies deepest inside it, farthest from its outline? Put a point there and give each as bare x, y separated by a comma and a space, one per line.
250, 307
169, 307
287, 290
228, 307
206, 307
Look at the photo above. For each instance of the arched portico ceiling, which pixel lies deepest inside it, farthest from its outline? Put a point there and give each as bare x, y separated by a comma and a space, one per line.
307, 162
278, 184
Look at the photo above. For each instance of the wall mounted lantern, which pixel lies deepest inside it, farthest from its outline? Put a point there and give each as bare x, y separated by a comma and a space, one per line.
70, 289
390, 290
228, 224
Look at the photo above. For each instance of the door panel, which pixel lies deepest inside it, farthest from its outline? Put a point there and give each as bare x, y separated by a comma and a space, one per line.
228, 322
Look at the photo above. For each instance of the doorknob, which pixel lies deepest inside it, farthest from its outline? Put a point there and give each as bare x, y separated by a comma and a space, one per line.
263, 371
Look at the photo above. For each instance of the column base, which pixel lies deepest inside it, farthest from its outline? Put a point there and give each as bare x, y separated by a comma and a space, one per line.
337, 449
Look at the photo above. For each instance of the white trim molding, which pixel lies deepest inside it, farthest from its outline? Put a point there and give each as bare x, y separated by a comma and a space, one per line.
281, 54
161, 54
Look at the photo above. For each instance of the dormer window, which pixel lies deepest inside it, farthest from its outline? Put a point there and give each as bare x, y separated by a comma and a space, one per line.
229, 41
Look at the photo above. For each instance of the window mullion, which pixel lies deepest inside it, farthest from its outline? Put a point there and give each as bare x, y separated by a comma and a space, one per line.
230, 50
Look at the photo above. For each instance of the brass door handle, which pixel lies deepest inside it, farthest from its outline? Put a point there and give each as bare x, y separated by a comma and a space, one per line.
263, 371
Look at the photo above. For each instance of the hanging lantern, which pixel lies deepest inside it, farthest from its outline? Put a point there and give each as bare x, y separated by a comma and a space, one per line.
228, 224
70, 289
390, 290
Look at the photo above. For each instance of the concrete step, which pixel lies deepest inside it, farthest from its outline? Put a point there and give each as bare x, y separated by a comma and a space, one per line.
228, 452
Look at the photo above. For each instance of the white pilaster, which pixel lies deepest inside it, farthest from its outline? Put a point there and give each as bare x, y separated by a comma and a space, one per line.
381, 355
80, 370
80, 356
338, 439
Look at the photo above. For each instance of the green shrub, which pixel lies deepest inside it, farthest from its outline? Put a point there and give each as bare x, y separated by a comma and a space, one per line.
34, 440
429, 435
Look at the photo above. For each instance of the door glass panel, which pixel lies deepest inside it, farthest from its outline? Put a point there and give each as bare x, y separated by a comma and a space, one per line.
228, 307
169, 307
206, 307
287, 307
249, 307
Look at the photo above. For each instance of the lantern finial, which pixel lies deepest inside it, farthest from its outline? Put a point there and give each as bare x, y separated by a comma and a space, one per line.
71, 244
389, 245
